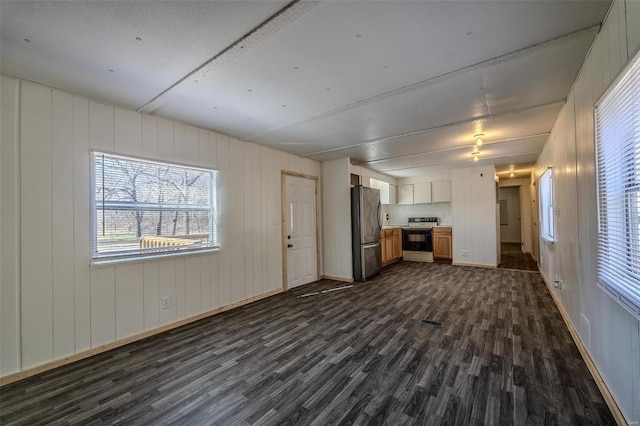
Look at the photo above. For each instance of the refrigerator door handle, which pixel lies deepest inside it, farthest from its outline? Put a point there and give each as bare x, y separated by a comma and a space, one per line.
380, 215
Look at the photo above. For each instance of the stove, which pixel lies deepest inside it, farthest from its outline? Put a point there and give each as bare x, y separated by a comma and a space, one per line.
422, 222
417, 244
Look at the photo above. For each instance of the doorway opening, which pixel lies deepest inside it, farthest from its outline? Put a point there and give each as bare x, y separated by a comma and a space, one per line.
515, 227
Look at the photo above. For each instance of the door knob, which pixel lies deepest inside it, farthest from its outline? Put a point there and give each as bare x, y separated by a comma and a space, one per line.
289, 245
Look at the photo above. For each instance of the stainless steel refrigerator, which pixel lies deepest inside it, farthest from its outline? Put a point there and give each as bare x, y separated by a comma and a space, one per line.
366, 224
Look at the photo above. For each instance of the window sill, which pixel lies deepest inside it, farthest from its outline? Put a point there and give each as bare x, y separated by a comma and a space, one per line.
547, 240
114, 261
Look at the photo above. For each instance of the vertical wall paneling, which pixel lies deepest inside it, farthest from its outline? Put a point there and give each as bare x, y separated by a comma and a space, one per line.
165, 140
62, 224
181, 294
213, 259
336, 213
151, 294
101, 126
149, 136
205, 261
267, 285
224, 220
128, 132
191, 145
179, 150
473, 193
129, 282
103, 306
9, 226
62, 304
203, 148
274, 232
249, 225
166, 288
192, 285
256, 220
103, 300
205, 282
236, 216
612, 335
632, 15
81, 224
36, 226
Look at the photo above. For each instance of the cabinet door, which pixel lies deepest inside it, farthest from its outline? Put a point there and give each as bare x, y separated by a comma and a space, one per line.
442, 247
397, 244
393, 194
383, 249
405, 194
422, 193
441, 191
389, 248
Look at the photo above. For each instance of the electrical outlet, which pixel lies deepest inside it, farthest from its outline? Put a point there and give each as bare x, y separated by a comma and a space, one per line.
465, 253
166, 302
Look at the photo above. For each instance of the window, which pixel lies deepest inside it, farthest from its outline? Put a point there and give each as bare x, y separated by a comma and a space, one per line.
617, 135
145, 207
545, 185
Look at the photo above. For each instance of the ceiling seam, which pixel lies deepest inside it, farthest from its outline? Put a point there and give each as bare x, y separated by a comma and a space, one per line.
432, 80
444, 126
288, 14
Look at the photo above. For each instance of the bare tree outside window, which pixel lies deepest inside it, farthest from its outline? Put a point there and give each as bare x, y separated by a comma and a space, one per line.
144, 206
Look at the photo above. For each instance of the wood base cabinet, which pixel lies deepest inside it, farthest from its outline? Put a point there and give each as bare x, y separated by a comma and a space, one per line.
391, 244
442, 244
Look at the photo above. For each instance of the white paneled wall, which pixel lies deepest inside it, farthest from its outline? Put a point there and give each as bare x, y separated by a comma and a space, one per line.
610, 334
336, 213
54, 304
474, 221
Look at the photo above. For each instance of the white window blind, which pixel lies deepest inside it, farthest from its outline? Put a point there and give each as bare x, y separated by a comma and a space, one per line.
145, 207
617, 135
545, 186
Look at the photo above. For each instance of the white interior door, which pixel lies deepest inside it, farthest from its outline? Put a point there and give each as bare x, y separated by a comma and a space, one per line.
300, 236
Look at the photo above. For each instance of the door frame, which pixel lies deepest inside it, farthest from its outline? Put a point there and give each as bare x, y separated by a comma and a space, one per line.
283, 197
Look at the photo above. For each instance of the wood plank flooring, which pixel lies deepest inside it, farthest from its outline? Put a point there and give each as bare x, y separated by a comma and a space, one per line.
354, 356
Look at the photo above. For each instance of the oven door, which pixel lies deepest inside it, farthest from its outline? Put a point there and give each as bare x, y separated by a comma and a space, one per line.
416, 240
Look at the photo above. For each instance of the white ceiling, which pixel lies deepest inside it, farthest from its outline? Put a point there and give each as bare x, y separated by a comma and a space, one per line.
399, 86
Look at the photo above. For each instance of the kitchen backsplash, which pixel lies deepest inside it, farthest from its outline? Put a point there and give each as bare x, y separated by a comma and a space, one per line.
399, 214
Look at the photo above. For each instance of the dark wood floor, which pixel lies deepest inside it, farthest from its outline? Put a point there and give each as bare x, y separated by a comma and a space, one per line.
519, 260
353, 356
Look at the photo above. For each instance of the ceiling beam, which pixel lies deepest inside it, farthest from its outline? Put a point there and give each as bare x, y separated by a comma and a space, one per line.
250, 40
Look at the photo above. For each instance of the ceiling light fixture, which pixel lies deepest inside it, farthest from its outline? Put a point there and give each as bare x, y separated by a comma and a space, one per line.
478, 138
475, 154
512, 174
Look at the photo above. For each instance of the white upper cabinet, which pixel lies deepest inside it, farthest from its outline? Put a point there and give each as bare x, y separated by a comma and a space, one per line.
393, 194
405, 194
441, 191
422, 193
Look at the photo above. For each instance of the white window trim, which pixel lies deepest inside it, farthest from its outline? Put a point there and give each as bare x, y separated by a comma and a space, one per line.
548, 238
607, 278
109, 260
